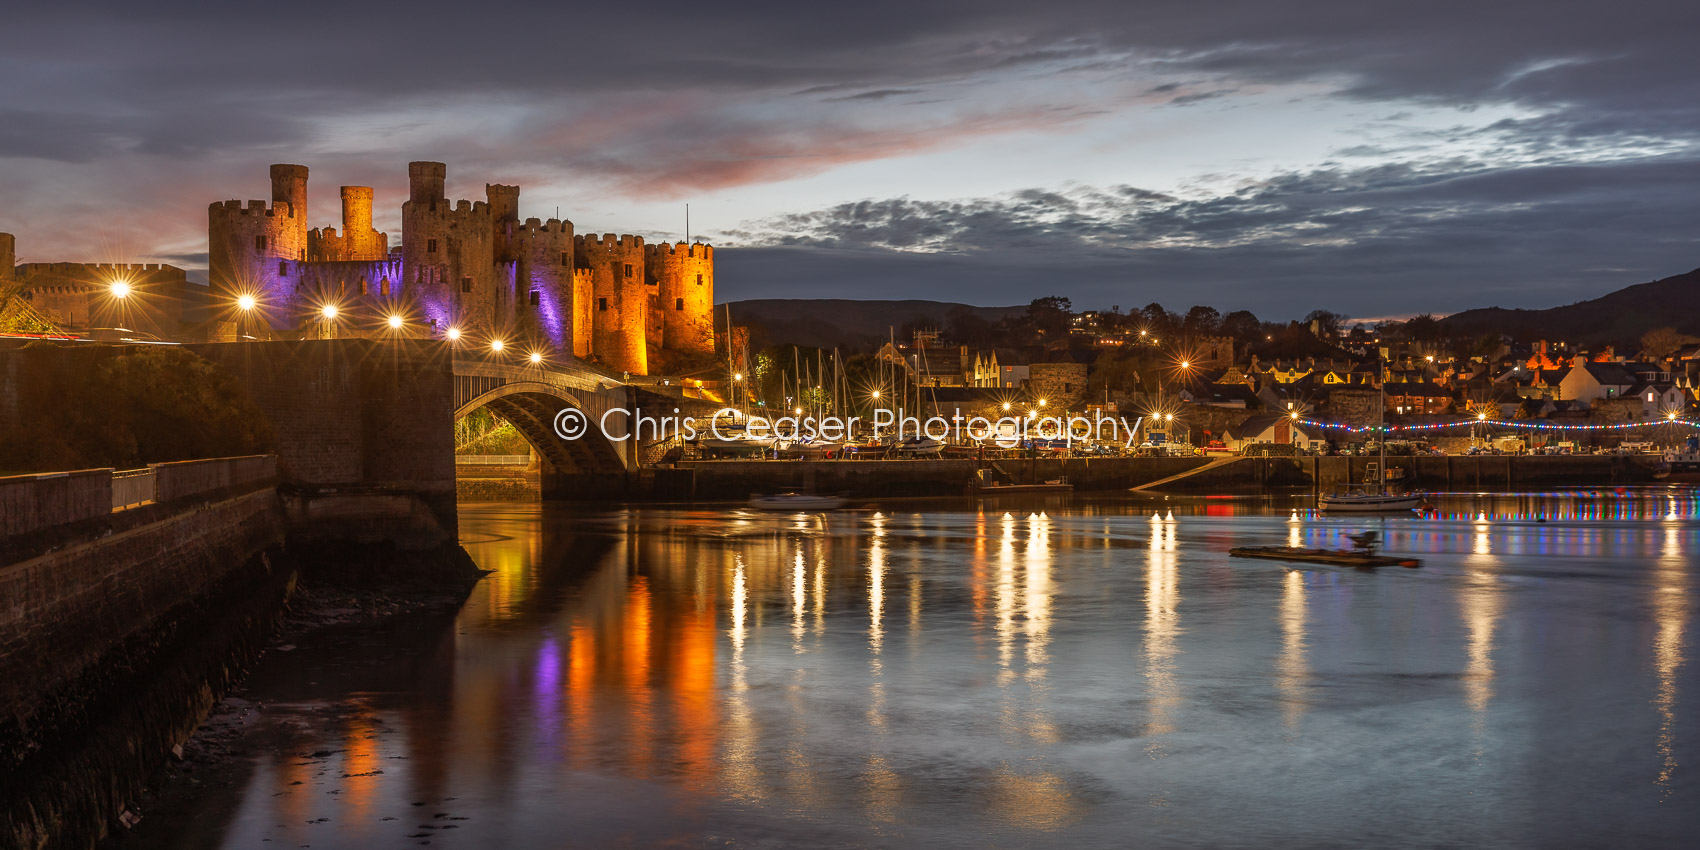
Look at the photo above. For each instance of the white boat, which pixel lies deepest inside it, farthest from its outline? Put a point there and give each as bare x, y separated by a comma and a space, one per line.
795, 502
1366, 501
734, 445
918, 446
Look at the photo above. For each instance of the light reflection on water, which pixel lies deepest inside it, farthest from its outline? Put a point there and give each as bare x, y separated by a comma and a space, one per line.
1059, 674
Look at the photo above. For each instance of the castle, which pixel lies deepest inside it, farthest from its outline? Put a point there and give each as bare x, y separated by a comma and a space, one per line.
464, 270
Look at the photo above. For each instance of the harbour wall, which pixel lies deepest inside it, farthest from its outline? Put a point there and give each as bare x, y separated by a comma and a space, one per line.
712, 480
120, 629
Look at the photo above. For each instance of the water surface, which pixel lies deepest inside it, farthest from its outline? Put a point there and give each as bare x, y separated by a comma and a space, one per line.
1059, 673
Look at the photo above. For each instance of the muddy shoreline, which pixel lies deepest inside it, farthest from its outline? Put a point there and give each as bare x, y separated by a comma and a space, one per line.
218, 758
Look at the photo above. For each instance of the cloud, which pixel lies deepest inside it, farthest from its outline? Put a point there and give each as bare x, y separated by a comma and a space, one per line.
156, 109
1386, 239
876, 94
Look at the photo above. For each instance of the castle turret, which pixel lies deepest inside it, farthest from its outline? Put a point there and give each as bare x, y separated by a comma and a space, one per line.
8, 256
621, 302
256, 249
425, 181
684, 275
544, 299
359, 241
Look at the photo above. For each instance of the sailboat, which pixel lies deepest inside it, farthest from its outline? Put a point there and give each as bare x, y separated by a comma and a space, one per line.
1379, 500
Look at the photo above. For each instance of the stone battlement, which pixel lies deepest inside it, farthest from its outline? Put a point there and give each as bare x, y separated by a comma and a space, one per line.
275, 209
609, 241
534, 226
693, 249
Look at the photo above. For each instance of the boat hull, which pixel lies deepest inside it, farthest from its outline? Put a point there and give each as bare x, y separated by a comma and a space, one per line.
796, 502
1333, 557
1369, 504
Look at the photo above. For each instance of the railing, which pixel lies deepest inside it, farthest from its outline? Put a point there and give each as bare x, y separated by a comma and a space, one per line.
493, 460
30, 503
194, 477
131, 487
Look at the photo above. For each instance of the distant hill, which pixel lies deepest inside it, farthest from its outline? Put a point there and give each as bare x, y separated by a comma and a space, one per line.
1620, 317
842, 323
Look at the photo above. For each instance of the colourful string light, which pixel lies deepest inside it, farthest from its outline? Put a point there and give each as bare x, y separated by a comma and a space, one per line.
1502, 423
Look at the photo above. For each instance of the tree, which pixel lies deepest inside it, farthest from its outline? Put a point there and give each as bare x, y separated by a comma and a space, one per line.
1201, 321
1050, 315
1158, 321
1327, 324
1242, 326
1422, 327
1663, 342
964, 326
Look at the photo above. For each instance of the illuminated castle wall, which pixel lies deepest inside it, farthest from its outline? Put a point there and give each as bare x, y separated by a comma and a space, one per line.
471, 266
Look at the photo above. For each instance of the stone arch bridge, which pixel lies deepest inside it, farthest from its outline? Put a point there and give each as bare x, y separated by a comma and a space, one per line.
378, 415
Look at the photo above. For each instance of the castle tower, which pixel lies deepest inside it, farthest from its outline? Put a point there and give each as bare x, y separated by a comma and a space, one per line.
257, 249
504, 215
364, 242
684, 276
621, 302
448, 259
544, 300
359, 241
8, 256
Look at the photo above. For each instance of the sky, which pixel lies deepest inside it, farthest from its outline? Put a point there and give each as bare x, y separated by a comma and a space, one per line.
1365, 158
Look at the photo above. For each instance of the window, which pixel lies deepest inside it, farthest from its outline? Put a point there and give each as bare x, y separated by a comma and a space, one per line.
259, 243
384, 287
536, 298
365, 287
628, 270
678, 303
430, 246
601, 303
566, 258
282, 269
466, 284
699, 278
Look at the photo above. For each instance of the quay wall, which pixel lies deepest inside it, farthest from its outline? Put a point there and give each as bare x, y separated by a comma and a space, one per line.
117, 634
710, 480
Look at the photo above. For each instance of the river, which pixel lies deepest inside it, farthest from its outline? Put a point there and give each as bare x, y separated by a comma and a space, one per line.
1057, 673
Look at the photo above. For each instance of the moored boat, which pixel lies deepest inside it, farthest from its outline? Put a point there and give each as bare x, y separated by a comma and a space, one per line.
795, 502
1367, 502
1335, 557
1680, 467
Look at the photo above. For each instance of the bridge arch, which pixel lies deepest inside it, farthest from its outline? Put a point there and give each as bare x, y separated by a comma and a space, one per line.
531, 407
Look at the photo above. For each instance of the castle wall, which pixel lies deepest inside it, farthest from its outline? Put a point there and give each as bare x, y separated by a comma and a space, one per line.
365, 294
621, 300
8, 255
684, 274
78, 296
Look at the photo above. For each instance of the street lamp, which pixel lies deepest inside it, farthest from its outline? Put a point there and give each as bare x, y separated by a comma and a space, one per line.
1041, 402
496, 346
536, 357
453, 334
245, 303
395, 321
120, 289
328, 311
1006, 405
